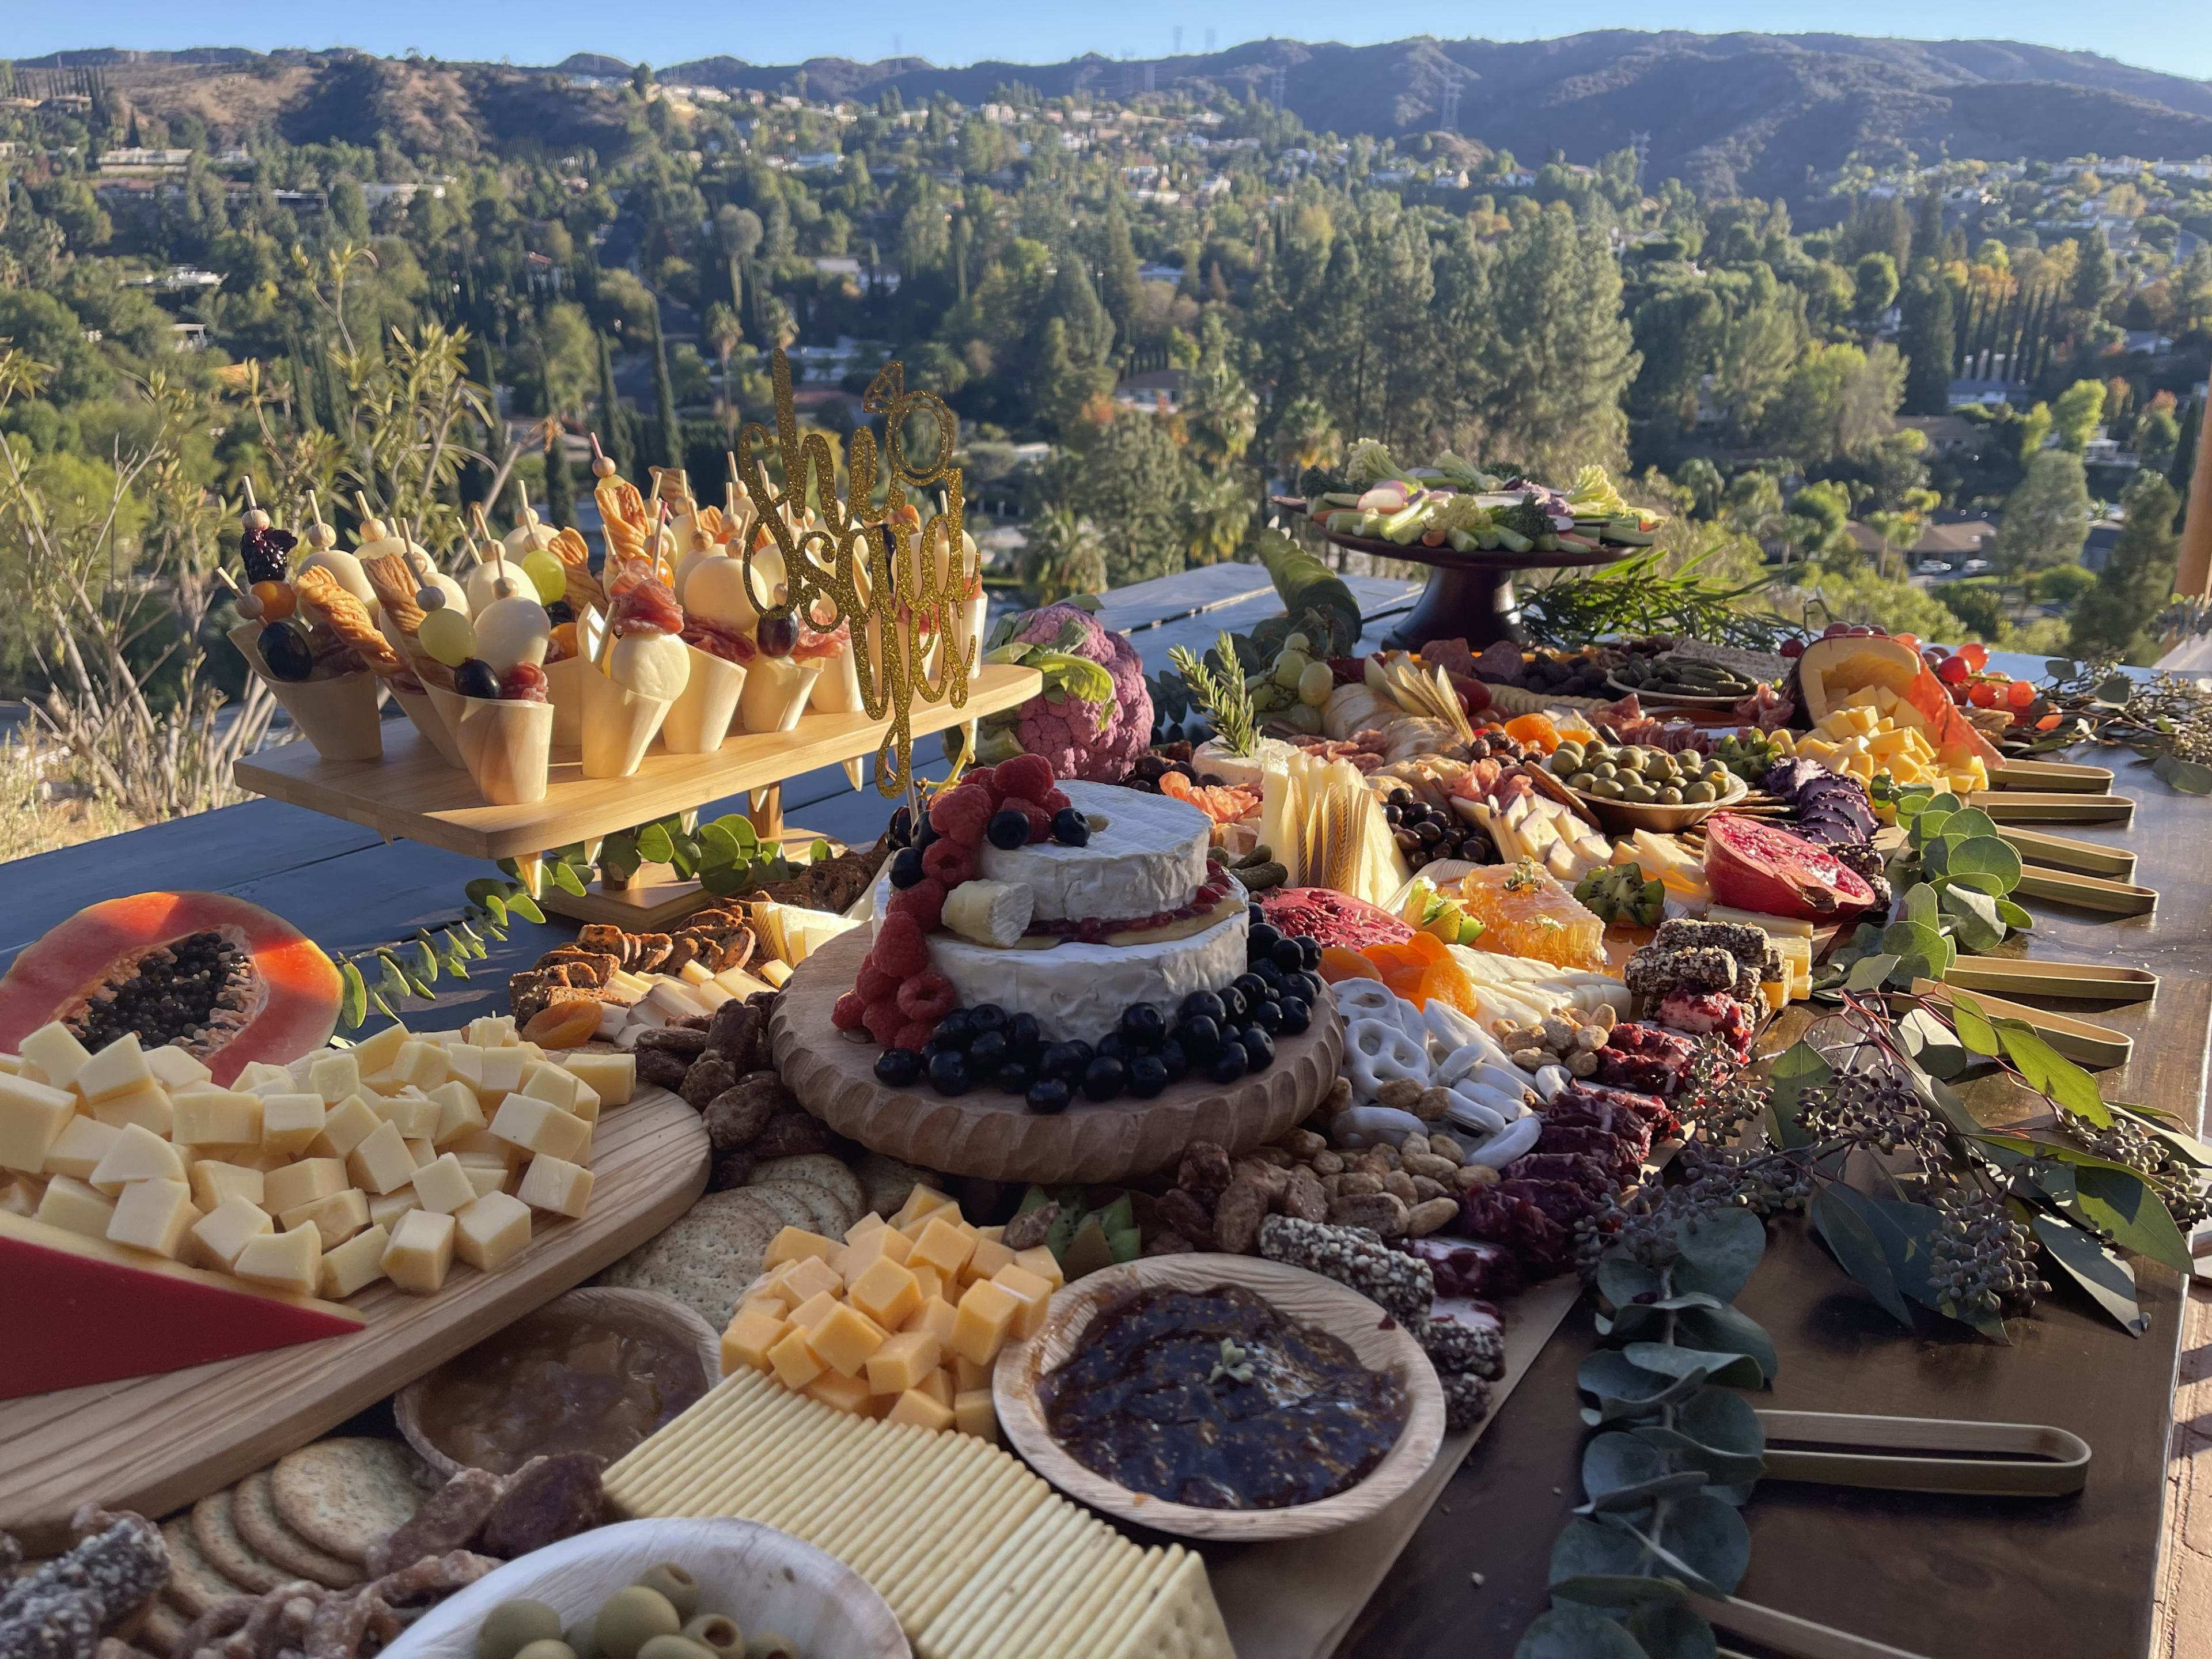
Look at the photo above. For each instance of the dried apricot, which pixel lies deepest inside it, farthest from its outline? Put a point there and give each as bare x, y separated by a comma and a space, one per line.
1533, 729
1339, 964
563, 1025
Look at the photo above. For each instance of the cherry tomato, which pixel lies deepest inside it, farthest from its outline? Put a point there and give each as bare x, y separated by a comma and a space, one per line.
278, 599
2049, 722
1910, 641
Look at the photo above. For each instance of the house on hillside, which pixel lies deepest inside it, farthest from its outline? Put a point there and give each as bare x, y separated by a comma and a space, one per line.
1947, 434
1990, 394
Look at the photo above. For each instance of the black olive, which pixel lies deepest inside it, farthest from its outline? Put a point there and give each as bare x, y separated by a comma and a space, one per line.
1104, 1077
899, 1068
948, 1074
1048, 1096
1393, 813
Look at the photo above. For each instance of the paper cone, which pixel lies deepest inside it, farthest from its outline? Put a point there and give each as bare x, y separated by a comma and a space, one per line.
430, 723
338, 716
837, 691
775, 694
505, 745
564, 684
700, 719
968, 624
618, 727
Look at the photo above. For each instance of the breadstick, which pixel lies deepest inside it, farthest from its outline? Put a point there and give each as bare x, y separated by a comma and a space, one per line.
347, 617
396, 586
584, 590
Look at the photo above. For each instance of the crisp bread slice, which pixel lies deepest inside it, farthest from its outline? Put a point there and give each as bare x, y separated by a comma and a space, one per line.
823, 1171
709, 1255
346, 1495
194, 1586
215, 1529
253, 1512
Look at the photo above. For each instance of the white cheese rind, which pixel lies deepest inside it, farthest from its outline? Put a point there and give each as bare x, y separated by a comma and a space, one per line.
1151, 857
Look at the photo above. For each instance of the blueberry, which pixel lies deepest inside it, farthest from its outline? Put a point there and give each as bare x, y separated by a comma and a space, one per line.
1173, 1061
901, 832
1143, 1025
1310, 950
1227, 1066
1269, 975
906, 867
1267, 1016
1288, 955
1114, 1046
1200, 1037
1050, 1095
1261, 938
1023, 1032
1015, 1078
1104, 1077
1070, 827
1066, 1061
955, 1029
899, 1068
988, 1017
1297, 1014
1200, 1002
948, 1074
924, 832
1251, 986
1147, 1076
987, 1052
1009, 830
1256, 917
930, 1050
1232, 1003
1259, 1050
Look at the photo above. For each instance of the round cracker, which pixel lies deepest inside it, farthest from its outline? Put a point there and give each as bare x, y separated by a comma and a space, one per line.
194, 1586
822, 1204
886, 1181
788, 1202
823, 1171
707, 1255
163, 1627
253, 1512
216, 1531
346, 1495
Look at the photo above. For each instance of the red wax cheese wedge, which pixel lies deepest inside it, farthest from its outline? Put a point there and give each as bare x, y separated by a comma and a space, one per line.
89, 1311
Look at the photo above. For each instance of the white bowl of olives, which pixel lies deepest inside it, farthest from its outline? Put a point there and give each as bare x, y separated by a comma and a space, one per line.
664, 1589
1636, 787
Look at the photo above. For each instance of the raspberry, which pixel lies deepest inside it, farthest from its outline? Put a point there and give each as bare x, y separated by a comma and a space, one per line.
913, 1034
873, 983
1055, 801
883, 1020
900, 949
927, 996
923, 900
1029, 776
947, 862
850, 1012
1040, 820
961, 814
986, 779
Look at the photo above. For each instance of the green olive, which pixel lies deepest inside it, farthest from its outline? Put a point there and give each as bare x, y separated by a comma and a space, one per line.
548, 1648
1631, 760
1670, 796
718, 1634
1606, 770
1598, 751
1643, 794
513, 1625
675, 1583
582, 1641
1582, 780
1700, 793
1718, 777
1606, 789
771, 1644
1571, 752
630, 1618
675, 1647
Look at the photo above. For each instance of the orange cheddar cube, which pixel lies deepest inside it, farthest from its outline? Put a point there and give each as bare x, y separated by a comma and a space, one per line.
990, 1255
930, 1283
881, 1244
936, 1316
1040, 1261
986, 1314
887, 1293
902, 1362
794, 1360
810, 1276
944, 1245
921, 1204
922, 1410
846, 1338
968, 1376
843, 1393
868, 1224
812, 1311
751, 1334
1032, 1292
973, 1412
937, 1385
793, 1245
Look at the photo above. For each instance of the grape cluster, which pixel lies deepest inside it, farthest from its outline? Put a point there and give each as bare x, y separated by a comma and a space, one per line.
1983, 1262
2179, 1184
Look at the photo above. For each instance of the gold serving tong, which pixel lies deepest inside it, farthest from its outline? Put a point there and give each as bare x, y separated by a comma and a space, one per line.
2058, 775
2095, 1045
2056, 807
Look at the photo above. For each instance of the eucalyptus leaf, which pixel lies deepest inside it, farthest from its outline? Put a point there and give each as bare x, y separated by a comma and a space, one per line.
819, 853
1618, 1594
494, 906
1736, 1371
1912, 938
353, 996
1728, 1330
1839, 1214
1869, 973
1721, 1250
1934, 1047
2189, 777
1795, 1069
1730, 1473
1985, 855
1621, 1278
717, 845
1575, 1632
1669, 1630
741, 827
1908, 1232
1626, 1389
2051, 1073
525, 907
1622, 1472
1973, 1027
2109, 1281
721, 880
1975, 921
2125, 1205
566, 877
1968, 824
654, 844
2114, 690
1920, 905
2188, 1147
2013, 916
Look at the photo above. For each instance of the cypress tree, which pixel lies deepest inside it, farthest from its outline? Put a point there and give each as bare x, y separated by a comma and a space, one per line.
1929, 341
560, 485
664, 398
615, 429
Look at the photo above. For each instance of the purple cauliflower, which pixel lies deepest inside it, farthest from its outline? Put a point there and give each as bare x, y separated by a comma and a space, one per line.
1094, 716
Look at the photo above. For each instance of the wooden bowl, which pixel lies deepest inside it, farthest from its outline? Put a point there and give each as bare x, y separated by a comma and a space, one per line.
1620, 816
764, 1579
1379, 1340
663, 1313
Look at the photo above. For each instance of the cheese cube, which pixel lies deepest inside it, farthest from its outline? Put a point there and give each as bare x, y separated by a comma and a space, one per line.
1034, 1294
502, 1072
541, 1128
290, 1122
421, 1252
809, 1275
752, 1332
459, 1112
1039, 1260
488, 1230
840, 1393
173, 1067
491, 1030
921, 1410
290, 1261
335, 1218
78, 1149
386, 1209
357, 1262
138, 1154
930, 1283
967, 1374
986, 1312
869, 1222
937, 1385
938, 1317
944, 1245
443, 1186
794, 1360
32, 1118
71, 1204
303, 1182
887, 1293
259, 1078
990, 1255
420, 1064
811, 1310
465, 1064
414, 1115
213, 1181
19, 1195
118, 1069
207, 1116
486, 1175
973, 1412
381, 1162
878, 1243
901, 1362
555, 1184
54, 1050
794, 1244
846, 1338
148, 1107
921, 1204
547, 1081
351, 1121
375, 1054
226, 1229
612, 1078
153, 1215
334, 1076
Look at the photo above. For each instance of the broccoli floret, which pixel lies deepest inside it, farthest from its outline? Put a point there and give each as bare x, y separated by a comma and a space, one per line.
1524, 518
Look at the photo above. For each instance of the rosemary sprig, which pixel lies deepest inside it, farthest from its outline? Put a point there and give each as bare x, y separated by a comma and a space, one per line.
1635, 596
1222, 696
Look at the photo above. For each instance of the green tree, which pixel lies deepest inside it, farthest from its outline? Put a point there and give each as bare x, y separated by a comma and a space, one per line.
349, 209
2034, 428
669, 435
615, 429
722, 332
560, 480
1929, 339
2094, 282
1560, 354
1062, 555
2112, 621
1873, 285
1978, 606
2047, 518
1703, 480
1219, 416
2075, 414
1118, 284
1127, 474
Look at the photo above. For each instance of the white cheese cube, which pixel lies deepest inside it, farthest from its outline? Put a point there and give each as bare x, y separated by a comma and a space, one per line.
118, 1069
138, 1154
335, 1218
54, 1050
376, 1053
555, 1184
303, 1182
32, 1118
488, 1231
421, 1252
540, 1127
464, 1062
415, 1114
381, 1162
78, 1149
259, 1077
207, 1116
610, 1077
443, 1186
358, 1261
68, 1203
422, 1064
214, 1181
384, 1209
153, 1215
348, 1123
422, 1152
491, 1031
458, 1111
486, 1175
225, 1230
334, 1076
502, 1072
547, 1081
289, 1261
148, 1107
290, 1122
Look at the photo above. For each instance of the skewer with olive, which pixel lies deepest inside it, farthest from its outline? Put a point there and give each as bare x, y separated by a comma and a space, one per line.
1640, 776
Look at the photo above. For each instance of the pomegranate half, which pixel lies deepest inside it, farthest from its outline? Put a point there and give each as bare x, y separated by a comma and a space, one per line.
1754, 866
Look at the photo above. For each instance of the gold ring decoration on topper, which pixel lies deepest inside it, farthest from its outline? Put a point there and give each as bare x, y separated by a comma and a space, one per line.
872, 568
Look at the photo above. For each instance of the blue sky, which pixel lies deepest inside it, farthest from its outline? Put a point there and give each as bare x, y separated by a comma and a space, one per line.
2172, 35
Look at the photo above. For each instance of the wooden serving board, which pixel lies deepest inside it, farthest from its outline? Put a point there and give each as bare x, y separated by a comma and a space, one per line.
156, 1443
993, 1135
414, 793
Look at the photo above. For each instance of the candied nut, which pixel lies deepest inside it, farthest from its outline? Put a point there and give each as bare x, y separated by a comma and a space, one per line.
1302, 1143
1503, 1028
662, 1069
736, 1117
1591, 1036
1428, 1164
1237, 1218
1205, 1170
1427, 1188
675, 1040
1028, 1229
1357, 1183
1383, 1212
1338, 1097
1605, 1017
1170, 1243
1399, 1092
731, 1170
1181, 1210
1430, 1108
1583, 1063
1558, 1034
1329, 1163
1374, 1161
1275, 1155
1529, 1060
1470, 1175
1272, 1179
1448, 1148
1400, 1184
789, 1134
1334, 1182
1425, 1218
1304, 1197
1415, 1142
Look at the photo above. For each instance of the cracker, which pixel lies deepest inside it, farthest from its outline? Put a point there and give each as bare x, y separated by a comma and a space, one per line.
831, 1218
253, 1512
886, 1180
823, 1171
216, 1531
194, 1586
708, 1255
1181, 1622
163, 1629
346, 1495
785, 1200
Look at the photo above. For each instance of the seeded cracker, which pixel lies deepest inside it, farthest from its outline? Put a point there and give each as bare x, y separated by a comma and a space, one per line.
823, 1169
346, 1495
253, 1511
216, 1531
706, 1258
194, 1586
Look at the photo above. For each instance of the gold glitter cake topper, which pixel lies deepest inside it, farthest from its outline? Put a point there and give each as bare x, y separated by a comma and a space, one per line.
863, 565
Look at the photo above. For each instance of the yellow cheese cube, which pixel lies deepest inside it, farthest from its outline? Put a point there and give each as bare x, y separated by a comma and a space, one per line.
846, 1338
153, 1215
290, 1122
207, 1116
813, 1310
289, 1261
555, 1184
612, 1078
938, 1317
937, 1385
118, 1069
944, 1245
464, 1063
148, 1107
335, 1218
488, 1231
547, 1081
414, 1115
375, 1054
1033, 1293
967, 1374
921, 1204
931, 1283
214, 1181
793, 1245
78, 1149
1040, 1261
502, 1072
386, 1209
138, 1154
54, 1050
226, 1229
794, 1360
921, 1410
486, 1175
459, 1112
840, 1392
380, 1163
76, 1207
359, 1261
492, 1030
752, 1332
990, 1255
424, 1064
32, 1118
973, 1412
335, 1076
869, 1222
902, 1362
878, 1243
541, 1128
443, 1186
421, 1252
345, 1125
805, 1277
303, 1182
987, 1311
887, 1293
